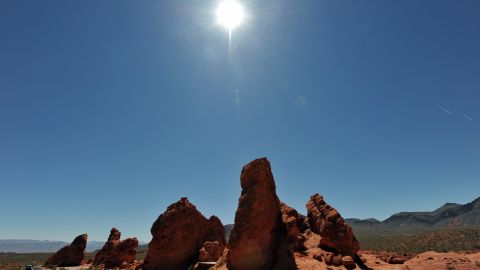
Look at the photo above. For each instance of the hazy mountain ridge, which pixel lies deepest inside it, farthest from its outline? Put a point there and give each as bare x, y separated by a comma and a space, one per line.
450, 215
33, 246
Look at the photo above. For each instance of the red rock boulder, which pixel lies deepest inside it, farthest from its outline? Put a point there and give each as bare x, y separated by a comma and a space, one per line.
394, 257
179, 234
210, 252
117, 253
348, 262
336, 235
70, 255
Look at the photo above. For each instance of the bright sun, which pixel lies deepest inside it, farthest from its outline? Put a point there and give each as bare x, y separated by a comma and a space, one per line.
230, 14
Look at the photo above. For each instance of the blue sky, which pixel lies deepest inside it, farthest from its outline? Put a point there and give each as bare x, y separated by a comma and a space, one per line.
112, 110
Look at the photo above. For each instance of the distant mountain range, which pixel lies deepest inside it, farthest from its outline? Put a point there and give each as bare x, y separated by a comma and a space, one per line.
34, 246
449, 216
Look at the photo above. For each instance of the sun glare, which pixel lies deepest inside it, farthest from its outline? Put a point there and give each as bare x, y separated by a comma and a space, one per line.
230, 14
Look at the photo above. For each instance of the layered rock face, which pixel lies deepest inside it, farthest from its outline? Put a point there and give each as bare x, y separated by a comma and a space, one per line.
215, 242
295, 225
179, 234
337, 236
257, 240
337, 242
70, 255
210, 251
117, 253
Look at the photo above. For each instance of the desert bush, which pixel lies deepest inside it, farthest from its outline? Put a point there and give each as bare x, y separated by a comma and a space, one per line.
51, 266
449, 267
477, 245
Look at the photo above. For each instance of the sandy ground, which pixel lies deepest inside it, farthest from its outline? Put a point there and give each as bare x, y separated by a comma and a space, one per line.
424, 261
430, 261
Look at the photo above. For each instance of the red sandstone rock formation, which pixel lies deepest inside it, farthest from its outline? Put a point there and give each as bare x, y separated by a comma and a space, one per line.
117, 253
257, 240
337, 236
215, 235
210, 251
179, 234
253, 238
70, 255
265, 235
295, 225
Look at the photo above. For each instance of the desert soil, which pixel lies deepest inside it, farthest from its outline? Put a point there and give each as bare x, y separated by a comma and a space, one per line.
430, 261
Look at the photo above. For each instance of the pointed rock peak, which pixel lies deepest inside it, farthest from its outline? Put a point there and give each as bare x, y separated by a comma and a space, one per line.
115, 234
70, 255
80, 241
117, 253
182, 203
317, 199
256, 238
257, 172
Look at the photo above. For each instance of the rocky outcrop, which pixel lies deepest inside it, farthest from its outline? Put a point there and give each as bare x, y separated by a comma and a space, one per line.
257, 240
215, 243
267, 234
117, 253
295, 225
179, 234
253, 238
337, 240
70, 255
210, 251
336, 235
393, 257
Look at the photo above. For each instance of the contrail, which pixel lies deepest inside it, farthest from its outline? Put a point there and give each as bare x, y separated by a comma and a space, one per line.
454, 112
464, 115
445, 109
